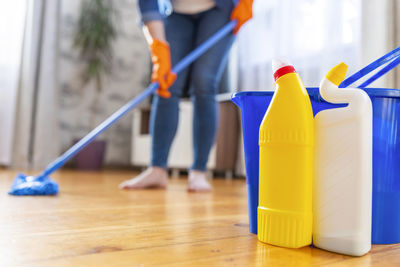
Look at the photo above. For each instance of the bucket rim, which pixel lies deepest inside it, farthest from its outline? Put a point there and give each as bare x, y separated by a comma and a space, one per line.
371, 91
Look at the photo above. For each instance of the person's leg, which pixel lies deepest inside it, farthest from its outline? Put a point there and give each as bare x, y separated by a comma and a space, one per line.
165, 111
205, 78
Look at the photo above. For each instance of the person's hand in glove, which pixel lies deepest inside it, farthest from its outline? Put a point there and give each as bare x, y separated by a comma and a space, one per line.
242, 13
161, 58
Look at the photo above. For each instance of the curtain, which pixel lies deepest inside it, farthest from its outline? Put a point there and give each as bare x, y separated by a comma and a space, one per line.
394, 39
12, 18
380, 33
314, 35
36, 135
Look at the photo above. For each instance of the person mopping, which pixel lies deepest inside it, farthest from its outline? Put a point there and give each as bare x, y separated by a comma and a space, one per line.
170, 39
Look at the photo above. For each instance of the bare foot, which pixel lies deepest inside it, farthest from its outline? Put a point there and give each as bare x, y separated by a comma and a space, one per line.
153, 177
198, 182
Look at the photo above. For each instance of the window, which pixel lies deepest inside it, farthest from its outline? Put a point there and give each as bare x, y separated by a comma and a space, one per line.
314, 34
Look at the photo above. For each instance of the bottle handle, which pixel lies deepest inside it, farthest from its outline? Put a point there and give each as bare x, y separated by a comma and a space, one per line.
394, 54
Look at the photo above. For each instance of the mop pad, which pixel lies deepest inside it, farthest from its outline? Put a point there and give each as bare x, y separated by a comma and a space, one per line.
33, 186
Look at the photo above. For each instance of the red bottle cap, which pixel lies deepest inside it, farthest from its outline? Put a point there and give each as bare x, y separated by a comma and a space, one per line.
281, 67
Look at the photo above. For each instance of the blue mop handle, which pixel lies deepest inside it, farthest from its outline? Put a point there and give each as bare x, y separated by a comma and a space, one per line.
185, 62
377, 75
371, 67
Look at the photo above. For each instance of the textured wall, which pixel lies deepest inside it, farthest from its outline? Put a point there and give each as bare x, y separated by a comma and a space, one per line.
130, 75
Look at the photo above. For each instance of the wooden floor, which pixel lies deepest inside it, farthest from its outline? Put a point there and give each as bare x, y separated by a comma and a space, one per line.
92, 223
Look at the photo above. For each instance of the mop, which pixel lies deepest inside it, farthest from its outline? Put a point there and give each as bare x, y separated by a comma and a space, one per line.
42, 184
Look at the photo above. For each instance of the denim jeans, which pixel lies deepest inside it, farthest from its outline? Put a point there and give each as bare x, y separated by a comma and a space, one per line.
184, 33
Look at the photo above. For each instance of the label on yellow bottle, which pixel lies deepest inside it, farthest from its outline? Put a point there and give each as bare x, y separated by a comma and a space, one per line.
286, 141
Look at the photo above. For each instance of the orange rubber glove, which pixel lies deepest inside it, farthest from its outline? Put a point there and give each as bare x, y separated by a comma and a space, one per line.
242, 13
161, 58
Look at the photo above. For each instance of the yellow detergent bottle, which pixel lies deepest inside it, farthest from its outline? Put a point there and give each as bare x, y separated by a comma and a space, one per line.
286, 143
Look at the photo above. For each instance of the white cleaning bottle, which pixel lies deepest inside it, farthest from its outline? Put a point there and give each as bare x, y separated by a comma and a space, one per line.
342, 200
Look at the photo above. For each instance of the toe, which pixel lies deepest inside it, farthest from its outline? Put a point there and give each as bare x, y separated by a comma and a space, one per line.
128, 184
203, 187
122, 185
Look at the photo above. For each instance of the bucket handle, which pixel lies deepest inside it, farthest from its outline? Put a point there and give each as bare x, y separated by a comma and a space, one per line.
377, 75
394, 54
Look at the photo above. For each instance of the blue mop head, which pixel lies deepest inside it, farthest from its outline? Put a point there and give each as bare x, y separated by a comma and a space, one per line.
33, 186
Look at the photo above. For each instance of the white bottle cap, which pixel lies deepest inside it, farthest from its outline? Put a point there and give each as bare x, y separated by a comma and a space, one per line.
281, 66
280, 62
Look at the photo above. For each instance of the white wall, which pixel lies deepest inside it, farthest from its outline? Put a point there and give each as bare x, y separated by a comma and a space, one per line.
130, 75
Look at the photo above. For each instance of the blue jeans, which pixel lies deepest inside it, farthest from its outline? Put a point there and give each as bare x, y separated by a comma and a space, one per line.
184, 33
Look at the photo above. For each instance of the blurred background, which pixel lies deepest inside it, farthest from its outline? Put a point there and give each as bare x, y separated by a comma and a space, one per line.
54, 87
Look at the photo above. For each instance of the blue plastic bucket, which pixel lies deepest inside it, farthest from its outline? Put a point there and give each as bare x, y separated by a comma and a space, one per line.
386, 155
